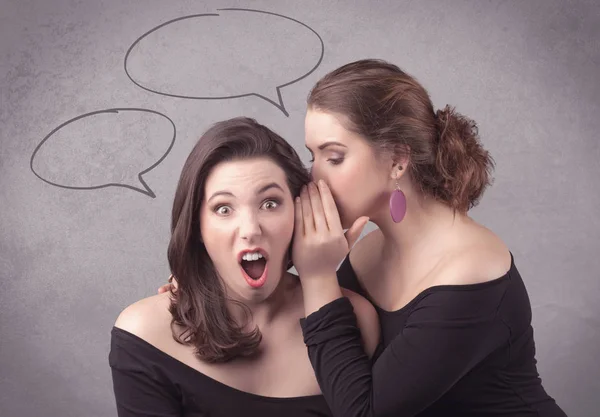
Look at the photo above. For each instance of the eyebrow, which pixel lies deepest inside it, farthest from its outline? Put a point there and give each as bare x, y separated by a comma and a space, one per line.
328, 143
260, 191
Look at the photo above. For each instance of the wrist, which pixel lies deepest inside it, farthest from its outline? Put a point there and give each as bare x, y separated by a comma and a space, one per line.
319, 290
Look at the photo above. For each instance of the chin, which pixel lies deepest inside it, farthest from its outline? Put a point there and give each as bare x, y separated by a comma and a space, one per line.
347, 221
260, 296
257, 296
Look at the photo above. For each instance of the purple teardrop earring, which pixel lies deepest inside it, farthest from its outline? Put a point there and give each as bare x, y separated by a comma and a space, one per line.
397, 203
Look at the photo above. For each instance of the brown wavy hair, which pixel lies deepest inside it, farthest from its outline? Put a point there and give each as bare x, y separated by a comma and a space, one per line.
393, 112
199, 304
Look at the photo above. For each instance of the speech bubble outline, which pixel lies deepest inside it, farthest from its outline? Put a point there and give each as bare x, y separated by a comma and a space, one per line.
146, 190
278, 104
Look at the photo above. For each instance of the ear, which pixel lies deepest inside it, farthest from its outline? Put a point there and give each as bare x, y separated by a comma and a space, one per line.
399, 163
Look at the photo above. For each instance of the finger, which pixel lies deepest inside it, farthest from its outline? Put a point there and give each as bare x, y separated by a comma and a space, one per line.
355, 230
317, 208
307, 215
165, 287
332, 215
298, 219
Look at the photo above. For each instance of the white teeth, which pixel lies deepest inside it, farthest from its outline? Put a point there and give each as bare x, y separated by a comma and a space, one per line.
252, 256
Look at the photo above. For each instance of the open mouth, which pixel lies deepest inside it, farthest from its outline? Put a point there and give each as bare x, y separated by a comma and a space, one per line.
254, 267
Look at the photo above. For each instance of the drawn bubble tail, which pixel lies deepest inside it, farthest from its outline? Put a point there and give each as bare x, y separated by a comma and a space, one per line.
138, 184
274, 97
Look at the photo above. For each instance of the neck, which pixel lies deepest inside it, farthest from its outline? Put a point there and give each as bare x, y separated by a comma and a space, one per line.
264, 312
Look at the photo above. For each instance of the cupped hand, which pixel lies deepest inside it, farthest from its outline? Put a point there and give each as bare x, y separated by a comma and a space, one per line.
320, 243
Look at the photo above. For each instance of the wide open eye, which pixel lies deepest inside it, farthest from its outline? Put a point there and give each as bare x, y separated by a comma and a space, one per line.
270, 204
223, 210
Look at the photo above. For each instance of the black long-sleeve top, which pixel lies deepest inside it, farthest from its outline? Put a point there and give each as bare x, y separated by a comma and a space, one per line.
454, 350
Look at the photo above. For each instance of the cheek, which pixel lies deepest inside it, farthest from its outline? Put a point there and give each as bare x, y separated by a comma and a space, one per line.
287, 226
347, 183
217, 241
282, 229
216, 236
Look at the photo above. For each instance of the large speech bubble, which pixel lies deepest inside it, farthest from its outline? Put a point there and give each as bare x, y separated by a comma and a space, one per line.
105, 148
231, 54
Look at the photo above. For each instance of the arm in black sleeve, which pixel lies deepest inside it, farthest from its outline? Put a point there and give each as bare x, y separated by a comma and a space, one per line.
445, 336
140, 388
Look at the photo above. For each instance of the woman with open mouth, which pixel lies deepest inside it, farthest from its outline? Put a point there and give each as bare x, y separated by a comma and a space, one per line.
227, 341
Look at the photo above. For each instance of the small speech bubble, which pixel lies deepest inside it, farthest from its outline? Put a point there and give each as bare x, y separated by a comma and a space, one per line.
231, 54
105, 148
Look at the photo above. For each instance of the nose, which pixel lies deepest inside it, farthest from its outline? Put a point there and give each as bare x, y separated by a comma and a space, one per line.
249, 227
317, 174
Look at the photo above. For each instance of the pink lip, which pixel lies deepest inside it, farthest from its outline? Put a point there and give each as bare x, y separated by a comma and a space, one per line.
259, 250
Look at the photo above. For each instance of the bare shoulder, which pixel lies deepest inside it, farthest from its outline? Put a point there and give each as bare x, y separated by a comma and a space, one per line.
367, 318
483, 258
147, 318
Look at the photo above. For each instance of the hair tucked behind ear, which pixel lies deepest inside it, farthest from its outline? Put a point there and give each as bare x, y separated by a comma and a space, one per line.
394, 113
462, 164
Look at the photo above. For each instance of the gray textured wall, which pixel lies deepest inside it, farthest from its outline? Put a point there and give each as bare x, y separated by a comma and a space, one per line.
71, 259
